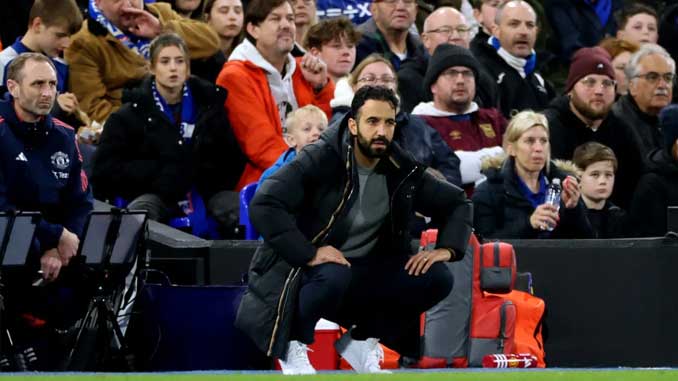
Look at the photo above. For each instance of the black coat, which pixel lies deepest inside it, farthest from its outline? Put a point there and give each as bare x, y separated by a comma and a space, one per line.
567, 132
515, 92
609, 222
141, 151
502, 211
575, 25
657, 189
422, 141
303, 206
645, 133
411, 82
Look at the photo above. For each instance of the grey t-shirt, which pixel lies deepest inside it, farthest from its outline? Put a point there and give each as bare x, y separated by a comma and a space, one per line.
367, 214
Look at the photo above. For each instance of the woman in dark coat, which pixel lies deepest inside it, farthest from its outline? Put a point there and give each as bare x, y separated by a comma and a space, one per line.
171, 136
511, 202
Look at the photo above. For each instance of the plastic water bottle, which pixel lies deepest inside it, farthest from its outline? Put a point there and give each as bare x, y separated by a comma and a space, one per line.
553, 197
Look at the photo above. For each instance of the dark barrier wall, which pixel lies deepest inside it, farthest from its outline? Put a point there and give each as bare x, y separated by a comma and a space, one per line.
609, 302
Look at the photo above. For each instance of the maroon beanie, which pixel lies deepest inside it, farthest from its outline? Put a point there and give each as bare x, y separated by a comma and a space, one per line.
587, 61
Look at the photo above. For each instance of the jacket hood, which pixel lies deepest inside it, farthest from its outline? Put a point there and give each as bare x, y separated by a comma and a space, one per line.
246, 51
499, 163
428, 109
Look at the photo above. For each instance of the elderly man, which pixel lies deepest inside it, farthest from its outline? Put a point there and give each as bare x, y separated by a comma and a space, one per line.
651, 73
472, 132
265, 83
110, 52
510, 59
444, 25
389, 32
582, 114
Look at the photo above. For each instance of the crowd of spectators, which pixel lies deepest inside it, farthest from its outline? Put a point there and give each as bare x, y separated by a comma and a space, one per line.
212, 116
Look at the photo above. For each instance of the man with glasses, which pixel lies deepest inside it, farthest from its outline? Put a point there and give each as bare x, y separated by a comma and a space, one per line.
582, 114
510, 59
444, 25
472, 132
388, 32
651, 74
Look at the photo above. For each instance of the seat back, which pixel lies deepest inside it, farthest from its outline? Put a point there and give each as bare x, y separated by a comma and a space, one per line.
246, 195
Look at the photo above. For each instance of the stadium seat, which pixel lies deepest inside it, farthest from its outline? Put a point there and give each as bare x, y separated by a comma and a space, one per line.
246, 195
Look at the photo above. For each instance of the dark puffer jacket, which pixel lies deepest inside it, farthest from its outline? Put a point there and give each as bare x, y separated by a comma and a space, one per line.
141, 151
502, 211
302, 207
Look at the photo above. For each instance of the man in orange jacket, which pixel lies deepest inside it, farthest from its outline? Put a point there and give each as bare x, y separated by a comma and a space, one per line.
265, 83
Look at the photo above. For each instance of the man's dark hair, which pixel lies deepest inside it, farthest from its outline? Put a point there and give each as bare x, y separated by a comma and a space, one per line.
328, 30
164, 40
623, 15
16, 67
257, 11
57, 13
375, 93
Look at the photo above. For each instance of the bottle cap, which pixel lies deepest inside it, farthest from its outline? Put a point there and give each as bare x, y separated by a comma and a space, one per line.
555, 181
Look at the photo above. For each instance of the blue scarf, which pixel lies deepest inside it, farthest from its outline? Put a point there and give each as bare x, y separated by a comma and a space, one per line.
603, 9
187, 111
530, 62
139, 45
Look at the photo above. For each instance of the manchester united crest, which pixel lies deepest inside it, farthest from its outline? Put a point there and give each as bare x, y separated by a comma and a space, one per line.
60, 161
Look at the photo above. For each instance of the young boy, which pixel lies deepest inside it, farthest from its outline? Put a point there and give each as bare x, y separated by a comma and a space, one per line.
598, 164
50, 26
302, 127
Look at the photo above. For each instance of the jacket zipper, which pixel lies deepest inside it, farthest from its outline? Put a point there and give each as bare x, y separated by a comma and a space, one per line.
325, 231
292, 274
396, 192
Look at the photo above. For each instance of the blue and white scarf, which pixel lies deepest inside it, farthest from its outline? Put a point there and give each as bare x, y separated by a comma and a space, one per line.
524, 66
187, 125
139, 45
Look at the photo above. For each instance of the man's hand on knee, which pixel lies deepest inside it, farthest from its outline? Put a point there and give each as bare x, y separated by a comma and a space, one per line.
50, 265
68, 246
421, 262
327, 254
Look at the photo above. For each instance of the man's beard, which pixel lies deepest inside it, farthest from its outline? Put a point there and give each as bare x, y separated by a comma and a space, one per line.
587, 111
366, 147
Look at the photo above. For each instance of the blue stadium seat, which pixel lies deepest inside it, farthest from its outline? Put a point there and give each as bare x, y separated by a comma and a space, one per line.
246, 195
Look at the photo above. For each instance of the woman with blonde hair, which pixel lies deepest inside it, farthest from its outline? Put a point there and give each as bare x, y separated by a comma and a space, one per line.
511, 202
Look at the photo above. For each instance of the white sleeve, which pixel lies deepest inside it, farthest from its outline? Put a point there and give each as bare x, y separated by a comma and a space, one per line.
471, 163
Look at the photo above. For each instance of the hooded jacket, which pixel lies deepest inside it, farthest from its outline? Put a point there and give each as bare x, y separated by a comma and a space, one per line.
303, 206
101, 66
255, 89
502, 211
142, 151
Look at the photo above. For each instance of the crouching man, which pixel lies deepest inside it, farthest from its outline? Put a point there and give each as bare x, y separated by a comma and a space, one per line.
336, 243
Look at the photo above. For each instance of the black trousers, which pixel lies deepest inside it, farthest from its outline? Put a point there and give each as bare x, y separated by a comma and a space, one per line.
375, 294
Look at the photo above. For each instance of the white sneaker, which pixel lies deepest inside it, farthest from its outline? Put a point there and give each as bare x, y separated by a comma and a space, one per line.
364, 356
297, 359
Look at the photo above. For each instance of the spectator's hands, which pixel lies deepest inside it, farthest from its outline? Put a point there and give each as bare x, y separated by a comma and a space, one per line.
327, 254
68, 102
68, 246
422, 261
140, 22
570, 193
543, 216
50, 265
314, 70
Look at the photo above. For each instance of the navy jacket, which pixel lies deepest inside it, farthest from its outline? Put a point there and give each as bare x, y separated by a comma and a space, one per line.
41, 170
